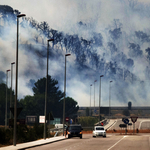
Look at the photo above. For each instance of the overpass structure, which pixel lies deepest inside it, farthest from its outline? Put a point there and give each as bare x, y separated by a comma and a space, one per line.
116, 111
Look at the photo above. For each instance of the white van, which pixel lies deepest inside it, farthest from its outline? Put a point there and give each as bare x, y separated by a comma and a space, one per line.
59, 126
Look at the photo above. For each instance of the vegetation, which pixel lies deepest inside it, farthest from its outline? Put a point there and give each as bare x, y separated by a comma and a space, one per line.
24, 134
34, 105
100, 52
3, 101
126, 112
87, 121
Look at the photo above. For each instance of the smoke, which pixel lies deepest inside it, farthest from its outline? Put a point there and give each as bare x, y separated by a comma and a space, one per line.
104, 38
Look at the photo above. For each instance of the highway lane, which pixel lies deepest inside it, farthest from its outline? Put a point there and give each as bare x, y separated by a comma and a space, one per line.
133, 142
111, 142
139, 124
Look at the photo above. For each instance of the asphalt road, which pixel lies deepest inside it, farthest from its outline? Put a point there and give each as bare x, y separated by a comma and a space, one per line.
139, 124
111, 142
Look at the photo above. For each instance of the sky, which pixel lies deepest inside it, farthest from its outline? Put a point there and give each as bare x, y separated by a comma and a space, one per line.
63, 15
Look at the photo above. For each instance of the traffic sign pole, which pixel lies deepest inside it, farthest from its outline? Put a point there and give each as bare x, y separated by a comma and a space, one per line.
134, 119
133, 128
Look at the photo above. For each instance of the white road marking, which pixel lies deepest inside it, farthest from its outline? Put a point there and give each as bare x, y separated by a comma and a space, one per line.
117, 143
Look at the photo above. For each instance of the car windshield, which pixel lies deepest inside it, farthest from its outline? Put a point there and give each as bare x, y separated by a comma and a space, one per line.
99, 128
75, 128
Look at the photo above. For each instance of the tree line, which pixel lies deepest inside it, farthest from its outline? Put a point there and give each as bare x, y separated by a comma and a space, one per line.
85, 50
35, 105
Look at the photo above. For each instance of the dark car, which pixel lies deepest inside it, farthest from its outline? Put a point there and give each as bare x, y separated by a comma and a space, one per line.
75, 131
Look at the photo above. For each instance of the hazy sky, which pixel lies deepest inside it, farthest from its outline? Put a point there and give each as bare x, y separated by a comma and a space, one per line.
63, 15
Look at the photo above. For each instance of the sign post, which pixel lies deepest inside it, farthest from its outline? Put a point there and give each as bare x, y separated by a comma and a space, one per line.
130, 124
134, 119
122, 126
126, 121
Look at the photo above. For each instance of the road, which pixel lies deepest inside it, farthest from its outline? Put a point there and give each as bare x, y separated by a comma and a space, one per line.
111, 142
139, 124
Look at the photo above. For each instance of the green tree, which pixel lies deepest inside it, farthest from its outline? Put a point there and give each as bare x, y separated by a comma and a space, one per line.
87, 121
71, 107
35, 105
3, 102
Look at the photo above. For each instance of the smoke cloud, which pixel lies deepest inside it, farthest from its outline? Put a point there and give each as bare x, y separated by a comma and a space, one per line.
109, 38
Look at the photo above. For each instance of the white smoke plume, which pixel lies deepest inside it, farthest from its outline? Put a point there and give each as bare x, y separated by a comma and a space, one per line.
83, 18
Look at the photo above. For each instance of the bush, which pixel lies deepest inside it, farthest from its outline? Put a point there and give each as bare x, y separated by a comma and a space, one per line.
87, 121
5, 135
24, 134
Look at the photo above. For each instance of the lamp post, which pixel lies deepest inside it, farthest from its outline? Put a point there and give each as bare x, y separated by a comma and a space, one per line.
6, 99
16, 88
90, 100
64, 93
109, 97
94, 95
46, 87
11, 87
100, 95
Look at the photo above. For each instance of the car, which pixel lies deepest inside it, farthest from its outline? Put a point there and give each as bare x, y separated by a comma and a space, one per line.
99, 131
75, 130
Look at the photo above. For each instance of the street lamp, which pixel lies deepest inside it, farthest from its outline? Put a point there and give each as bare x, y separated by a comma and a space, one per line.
64, 94
46, 87
109, 97
90, 100
100, 95
16, 89
6, 99
11, 87
94, 95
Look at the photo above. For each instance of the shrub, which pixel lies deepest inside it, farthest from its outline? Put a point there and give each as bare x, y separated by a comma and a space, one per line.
87, 121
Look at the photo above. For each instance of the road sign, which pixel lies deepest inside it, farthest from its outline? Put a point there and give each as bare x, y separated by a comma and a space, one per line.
95, 111
126, 121
49, 116
134, 119
67, 119
19, 109
41, 119
122, 125
130, 124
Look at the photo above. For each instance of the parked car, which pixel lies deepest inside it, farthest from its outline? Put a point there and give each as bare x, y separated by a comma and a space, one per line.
99, 131
75, 130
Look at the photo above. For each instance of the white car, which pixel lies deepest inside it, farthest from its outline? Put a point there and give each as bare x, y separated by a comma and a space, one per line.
99, 131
